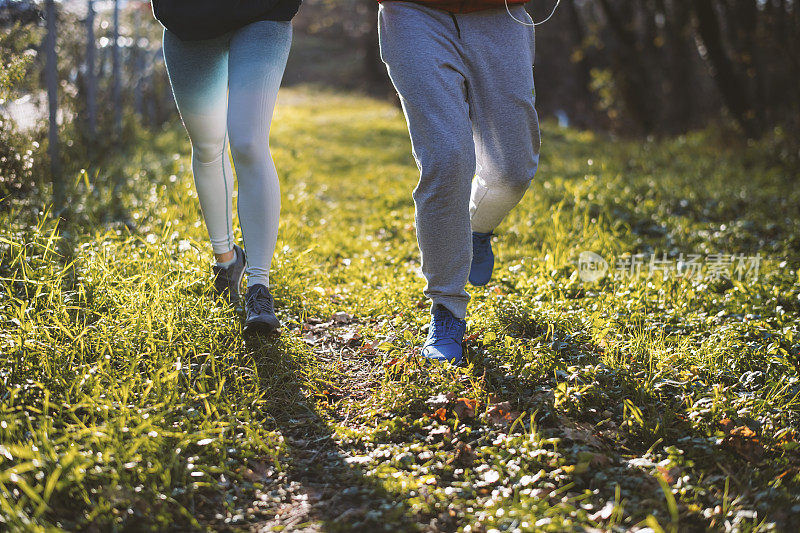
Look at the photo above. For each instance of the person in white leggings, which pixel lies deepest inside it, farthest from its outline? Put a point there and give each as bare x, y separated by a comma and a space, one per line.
225, 89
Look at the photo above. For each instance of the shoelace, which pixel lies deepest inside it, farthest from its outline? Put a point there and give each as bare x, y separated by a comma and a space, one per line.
481, 245
259, 300
445, 324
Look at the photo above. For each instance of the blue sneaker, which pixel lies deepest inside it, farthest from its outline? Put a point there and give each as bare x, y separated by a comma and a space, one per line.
480, 271
445, 335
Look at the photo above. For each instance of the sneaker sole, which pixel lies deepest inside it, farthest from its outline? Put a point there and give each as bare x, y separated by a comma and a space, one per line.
261, 327
481, 282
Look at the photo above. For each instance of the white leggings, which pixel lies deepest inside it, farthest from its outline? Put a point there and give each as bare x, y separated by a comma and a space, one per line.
225, 89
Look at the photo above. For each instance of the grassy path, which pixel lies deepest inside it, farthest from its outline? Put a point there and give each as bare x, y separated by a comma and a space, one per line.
128, 400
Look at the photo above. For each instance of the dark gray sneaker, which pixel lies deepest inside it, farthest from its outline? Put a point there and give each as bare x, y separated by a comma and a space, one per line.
260, 309
228, 281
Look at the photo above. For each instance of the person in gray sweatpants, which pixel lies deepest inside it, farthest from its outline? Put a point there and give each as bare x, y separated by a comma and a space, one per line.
465, 82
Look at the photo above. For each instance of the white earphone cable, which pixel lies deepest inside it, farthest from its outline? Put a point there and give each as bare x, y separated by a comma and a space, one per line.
553, 12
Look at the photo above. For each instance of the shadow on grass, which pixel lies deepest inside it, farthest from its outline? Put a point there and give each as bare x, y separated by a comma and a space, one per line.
638, 433
322, 490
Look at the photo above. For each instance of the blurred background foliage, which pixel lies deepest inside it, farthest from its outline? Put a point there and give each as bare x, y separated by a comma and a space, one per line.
627, 67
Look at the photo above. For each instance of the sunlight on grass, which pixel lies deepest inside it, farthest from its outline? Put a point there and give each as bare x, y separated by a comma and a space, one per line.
128, 398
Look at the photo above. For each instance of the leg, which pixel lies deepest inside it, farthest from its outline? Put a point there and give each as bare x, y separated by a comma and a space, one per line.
257, 59
198, 73
419, 47
506, 126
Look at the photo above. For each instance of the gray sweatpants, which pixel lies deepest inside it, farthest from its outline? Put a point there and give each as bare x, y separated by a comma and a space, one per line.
466, 85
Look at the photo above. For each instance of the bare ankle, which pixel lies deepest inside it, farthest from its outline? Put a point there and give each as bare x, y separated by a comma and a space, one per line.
224, 257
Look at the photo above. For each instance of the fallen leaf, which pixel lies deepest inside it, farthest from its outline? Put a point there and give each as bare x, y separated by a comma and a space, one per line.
341, 317
465, 408
500, 414
463, 455
370, 347
670, 475
726, 424
743, 432
349, 337
745, 443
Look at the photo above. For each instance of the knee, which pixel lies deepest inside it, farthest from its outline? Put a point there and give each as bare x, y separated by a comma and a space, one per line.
445, 175
248, 150
208, 152
445, 163
513, 174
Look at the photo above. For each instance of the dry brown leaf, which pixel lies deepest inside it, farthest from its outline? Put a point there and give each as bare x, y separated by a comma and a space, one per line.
465, 408
743, 432
463, 455
726, 424
500, 414
350, 336
745, 443
369, 347
670, 475
472, 337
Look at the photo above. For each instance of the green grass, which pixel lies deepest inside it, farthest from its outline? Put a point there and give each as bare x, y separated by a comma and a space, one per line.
129, 401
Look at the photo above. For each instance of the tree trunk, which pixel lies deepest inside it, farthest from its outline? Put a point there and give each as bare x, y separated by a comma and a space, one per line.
51, 80
632, 75
91, 76
679, 41
585, 100
116, 82
730, 85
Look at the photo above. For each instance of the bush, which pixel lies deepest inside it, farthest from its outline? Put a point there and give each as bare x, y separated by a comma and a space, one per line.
16, 150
